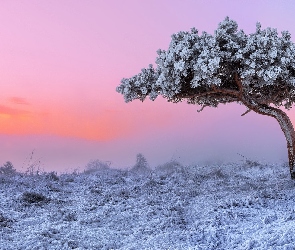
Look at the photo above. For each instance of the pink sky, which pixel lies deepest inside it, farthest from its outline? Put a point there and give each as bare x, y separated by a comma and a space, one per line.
62, 60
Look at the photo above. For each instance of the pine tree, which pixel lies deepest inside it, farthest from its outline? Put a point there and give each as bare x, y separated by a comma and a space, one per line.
255, 70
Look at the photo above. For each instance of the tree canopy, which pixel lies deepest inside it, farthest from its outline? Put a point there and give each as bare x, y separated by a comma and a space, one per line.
202, 68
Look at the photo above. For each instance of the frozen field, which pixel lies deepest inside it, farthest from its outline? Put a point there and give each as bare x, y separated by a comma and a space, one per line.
229, 206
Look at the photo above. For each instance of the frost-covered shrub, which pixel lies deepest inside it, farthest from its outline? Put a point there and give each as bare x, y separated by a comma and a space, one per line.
95, 166
250, 163
238, 203
124, 193
53, 188
70, 216
52, 176
141, 166
290, 216
96, 189
169, 167
69, 178
72, 244
217, 173
4, 221
33, 198
7, 169
270, 219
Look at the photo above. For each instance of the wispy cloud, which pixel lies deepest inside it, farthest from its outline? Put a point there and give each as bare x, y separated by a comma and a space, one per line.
18, 100
5, 110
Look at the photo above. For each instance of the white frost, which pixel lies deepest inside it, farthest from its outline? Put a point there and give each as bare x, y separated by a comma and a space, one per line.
261, 58
247, 205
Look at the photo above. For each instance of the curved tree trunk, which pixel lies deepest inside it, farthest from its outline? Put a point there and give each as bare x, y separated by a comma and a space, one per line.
285, 124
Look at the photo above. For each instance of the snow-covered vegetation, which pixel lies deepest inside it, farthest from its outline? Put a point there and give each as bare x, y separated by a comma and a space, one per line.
247, 205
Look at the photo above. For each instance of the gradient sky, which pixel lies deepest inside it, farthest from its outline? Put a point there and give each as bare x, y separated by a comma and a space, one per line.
60, 64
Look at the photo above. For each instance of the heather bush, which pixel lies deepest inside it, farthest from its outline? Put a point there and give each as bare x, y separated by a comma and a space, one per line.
52, 176
33, 198
96, 166
4, 221
7, 169
169, 167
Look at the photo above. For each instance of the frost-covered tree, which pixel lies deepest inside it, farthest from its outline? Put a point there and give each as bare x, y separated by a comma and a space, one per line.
255, 70
141, 165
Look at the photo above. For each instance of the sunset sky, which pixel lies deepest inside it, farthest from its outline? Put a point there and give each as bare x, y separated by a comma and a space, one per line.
60, 63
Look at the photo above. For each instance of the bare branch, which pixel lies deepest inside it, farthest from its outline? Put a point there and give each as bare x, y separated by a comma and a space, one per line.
215, 90
246, 112
200, 110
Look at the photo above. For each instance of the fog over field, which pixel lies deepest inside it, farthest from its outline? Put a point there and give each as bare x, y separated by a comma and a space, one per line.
245, 205
254, 136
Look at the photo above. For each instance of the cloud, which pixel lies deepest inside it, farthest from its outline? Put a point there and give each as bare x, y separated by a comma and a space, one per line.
5, 110
18, 100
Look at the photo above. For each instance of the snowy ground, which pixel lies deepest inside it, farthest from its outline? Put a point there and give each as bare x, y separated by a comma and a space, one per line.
229, 206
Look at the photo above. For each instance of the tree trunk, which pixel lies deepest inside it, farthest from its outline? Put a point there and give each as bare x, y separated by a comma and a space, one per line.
285, 124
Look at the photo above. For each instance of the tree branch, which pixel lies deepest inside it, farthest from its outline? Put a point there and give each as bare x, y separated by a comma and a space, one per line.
246, 112
214, 90
200, 110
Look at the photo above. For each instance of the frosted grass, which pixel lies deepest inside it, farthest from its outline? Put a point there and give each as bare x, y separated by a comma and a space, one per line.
229, 206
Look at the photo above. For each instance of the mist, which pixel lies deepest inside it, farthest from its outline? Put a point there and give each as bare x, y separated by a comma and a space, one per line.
212, 136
